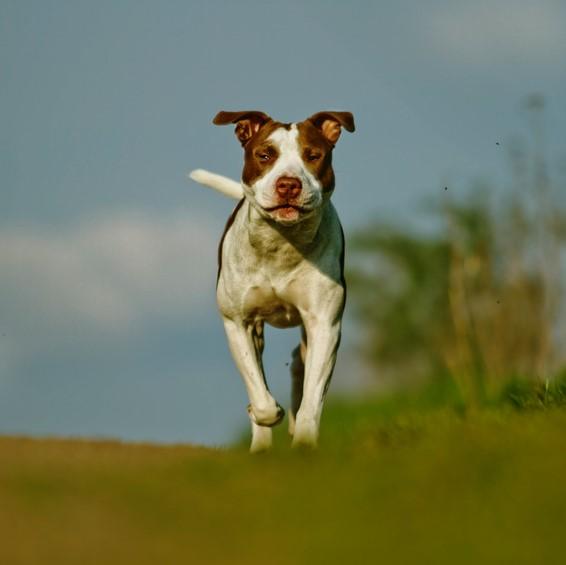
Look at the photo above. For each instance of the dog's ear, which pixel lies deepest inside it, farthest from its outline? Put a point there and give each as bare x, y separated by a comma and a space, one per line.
331, 124
248, 122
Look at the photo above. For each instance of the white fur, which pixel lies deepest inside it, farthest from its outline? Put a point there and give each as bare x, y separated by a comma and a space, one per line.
285, 280
222, 184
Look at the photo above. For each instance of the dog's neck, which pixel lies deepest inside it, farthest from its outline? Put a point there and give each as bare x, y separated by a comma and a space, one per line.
267, 236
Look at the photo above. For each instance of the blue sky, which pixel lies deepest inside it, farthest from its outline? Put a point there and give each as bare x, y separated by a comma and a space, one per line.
107, 253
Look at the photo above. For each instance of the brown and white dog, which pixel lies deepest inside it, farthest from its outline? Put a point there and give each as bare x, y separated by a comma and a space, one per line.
281, 261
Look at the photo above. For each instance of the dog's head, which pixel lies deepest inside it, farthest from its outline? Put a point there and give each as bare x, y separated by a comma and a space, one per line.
287, 167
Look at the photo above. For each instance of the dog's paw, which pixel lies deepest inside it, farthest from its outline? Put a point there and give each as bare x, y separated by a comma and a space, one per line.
266, 416
262, 439
304, 443
306, 434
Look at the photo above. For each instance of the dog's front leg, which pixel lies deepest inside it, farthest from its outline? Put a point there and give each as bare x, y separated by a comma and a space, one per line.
246, 347
323, 338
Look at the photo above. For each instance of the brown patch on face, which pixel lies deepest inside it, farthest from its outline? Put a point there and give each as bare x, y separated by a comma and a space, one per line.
316, 152
260, 153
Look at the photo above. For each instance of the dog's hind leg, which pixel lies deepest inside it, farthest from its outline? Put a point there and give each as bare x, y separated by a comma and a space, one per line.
297, 379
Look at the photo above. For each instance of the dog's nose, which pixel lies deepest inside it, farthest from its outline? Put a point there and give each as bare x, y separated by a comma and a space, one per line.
288, 187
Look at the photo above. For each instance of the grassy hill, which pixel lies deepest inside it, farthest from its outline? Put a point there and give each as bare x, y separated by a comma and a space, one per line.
392, 483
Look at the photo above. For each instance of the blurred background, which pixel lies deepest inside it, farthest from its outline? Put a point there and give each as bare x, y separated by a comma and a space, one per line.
451, 192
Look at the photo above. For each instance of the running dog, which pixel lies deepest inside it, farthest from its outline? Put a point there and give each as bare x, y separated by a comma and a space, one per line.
281, 261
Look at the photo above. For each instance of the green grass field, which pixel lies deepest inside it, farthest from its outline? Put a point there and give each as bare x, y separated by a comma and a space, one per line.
393, 482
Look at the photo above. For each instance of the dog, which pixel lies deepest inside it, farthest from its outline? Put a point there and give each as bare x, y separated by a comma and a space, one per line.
281, 261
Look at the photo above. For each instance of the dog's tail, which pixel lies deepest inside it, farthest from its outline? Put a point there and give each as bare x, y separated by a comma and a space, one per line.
226, 186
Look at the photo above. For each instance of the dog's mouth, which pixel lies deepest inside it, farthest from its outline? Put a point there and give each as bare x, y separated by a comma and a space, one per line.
286, 212
284, 207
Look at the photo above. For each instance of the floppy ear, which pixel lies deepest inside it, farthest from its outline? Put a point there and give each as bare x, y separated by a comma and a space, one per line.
331, 124
248, 122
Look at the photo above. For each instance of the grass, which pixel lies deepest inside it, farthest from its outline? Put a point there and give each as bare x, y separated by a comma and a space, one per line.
399, 480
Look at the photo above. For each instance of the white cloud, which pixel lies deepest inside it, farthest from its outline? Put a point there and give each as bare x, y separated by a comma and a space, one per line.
488, 31
108, 277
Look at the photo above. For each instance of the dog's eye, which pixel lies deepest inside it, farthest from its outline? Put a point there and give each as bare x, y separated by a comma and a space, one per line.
264, 157
313, 156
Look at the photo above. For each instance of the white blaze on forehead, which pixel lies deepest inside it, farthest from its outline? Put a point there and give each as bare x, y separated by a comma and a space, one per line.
286, 142
290, 161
